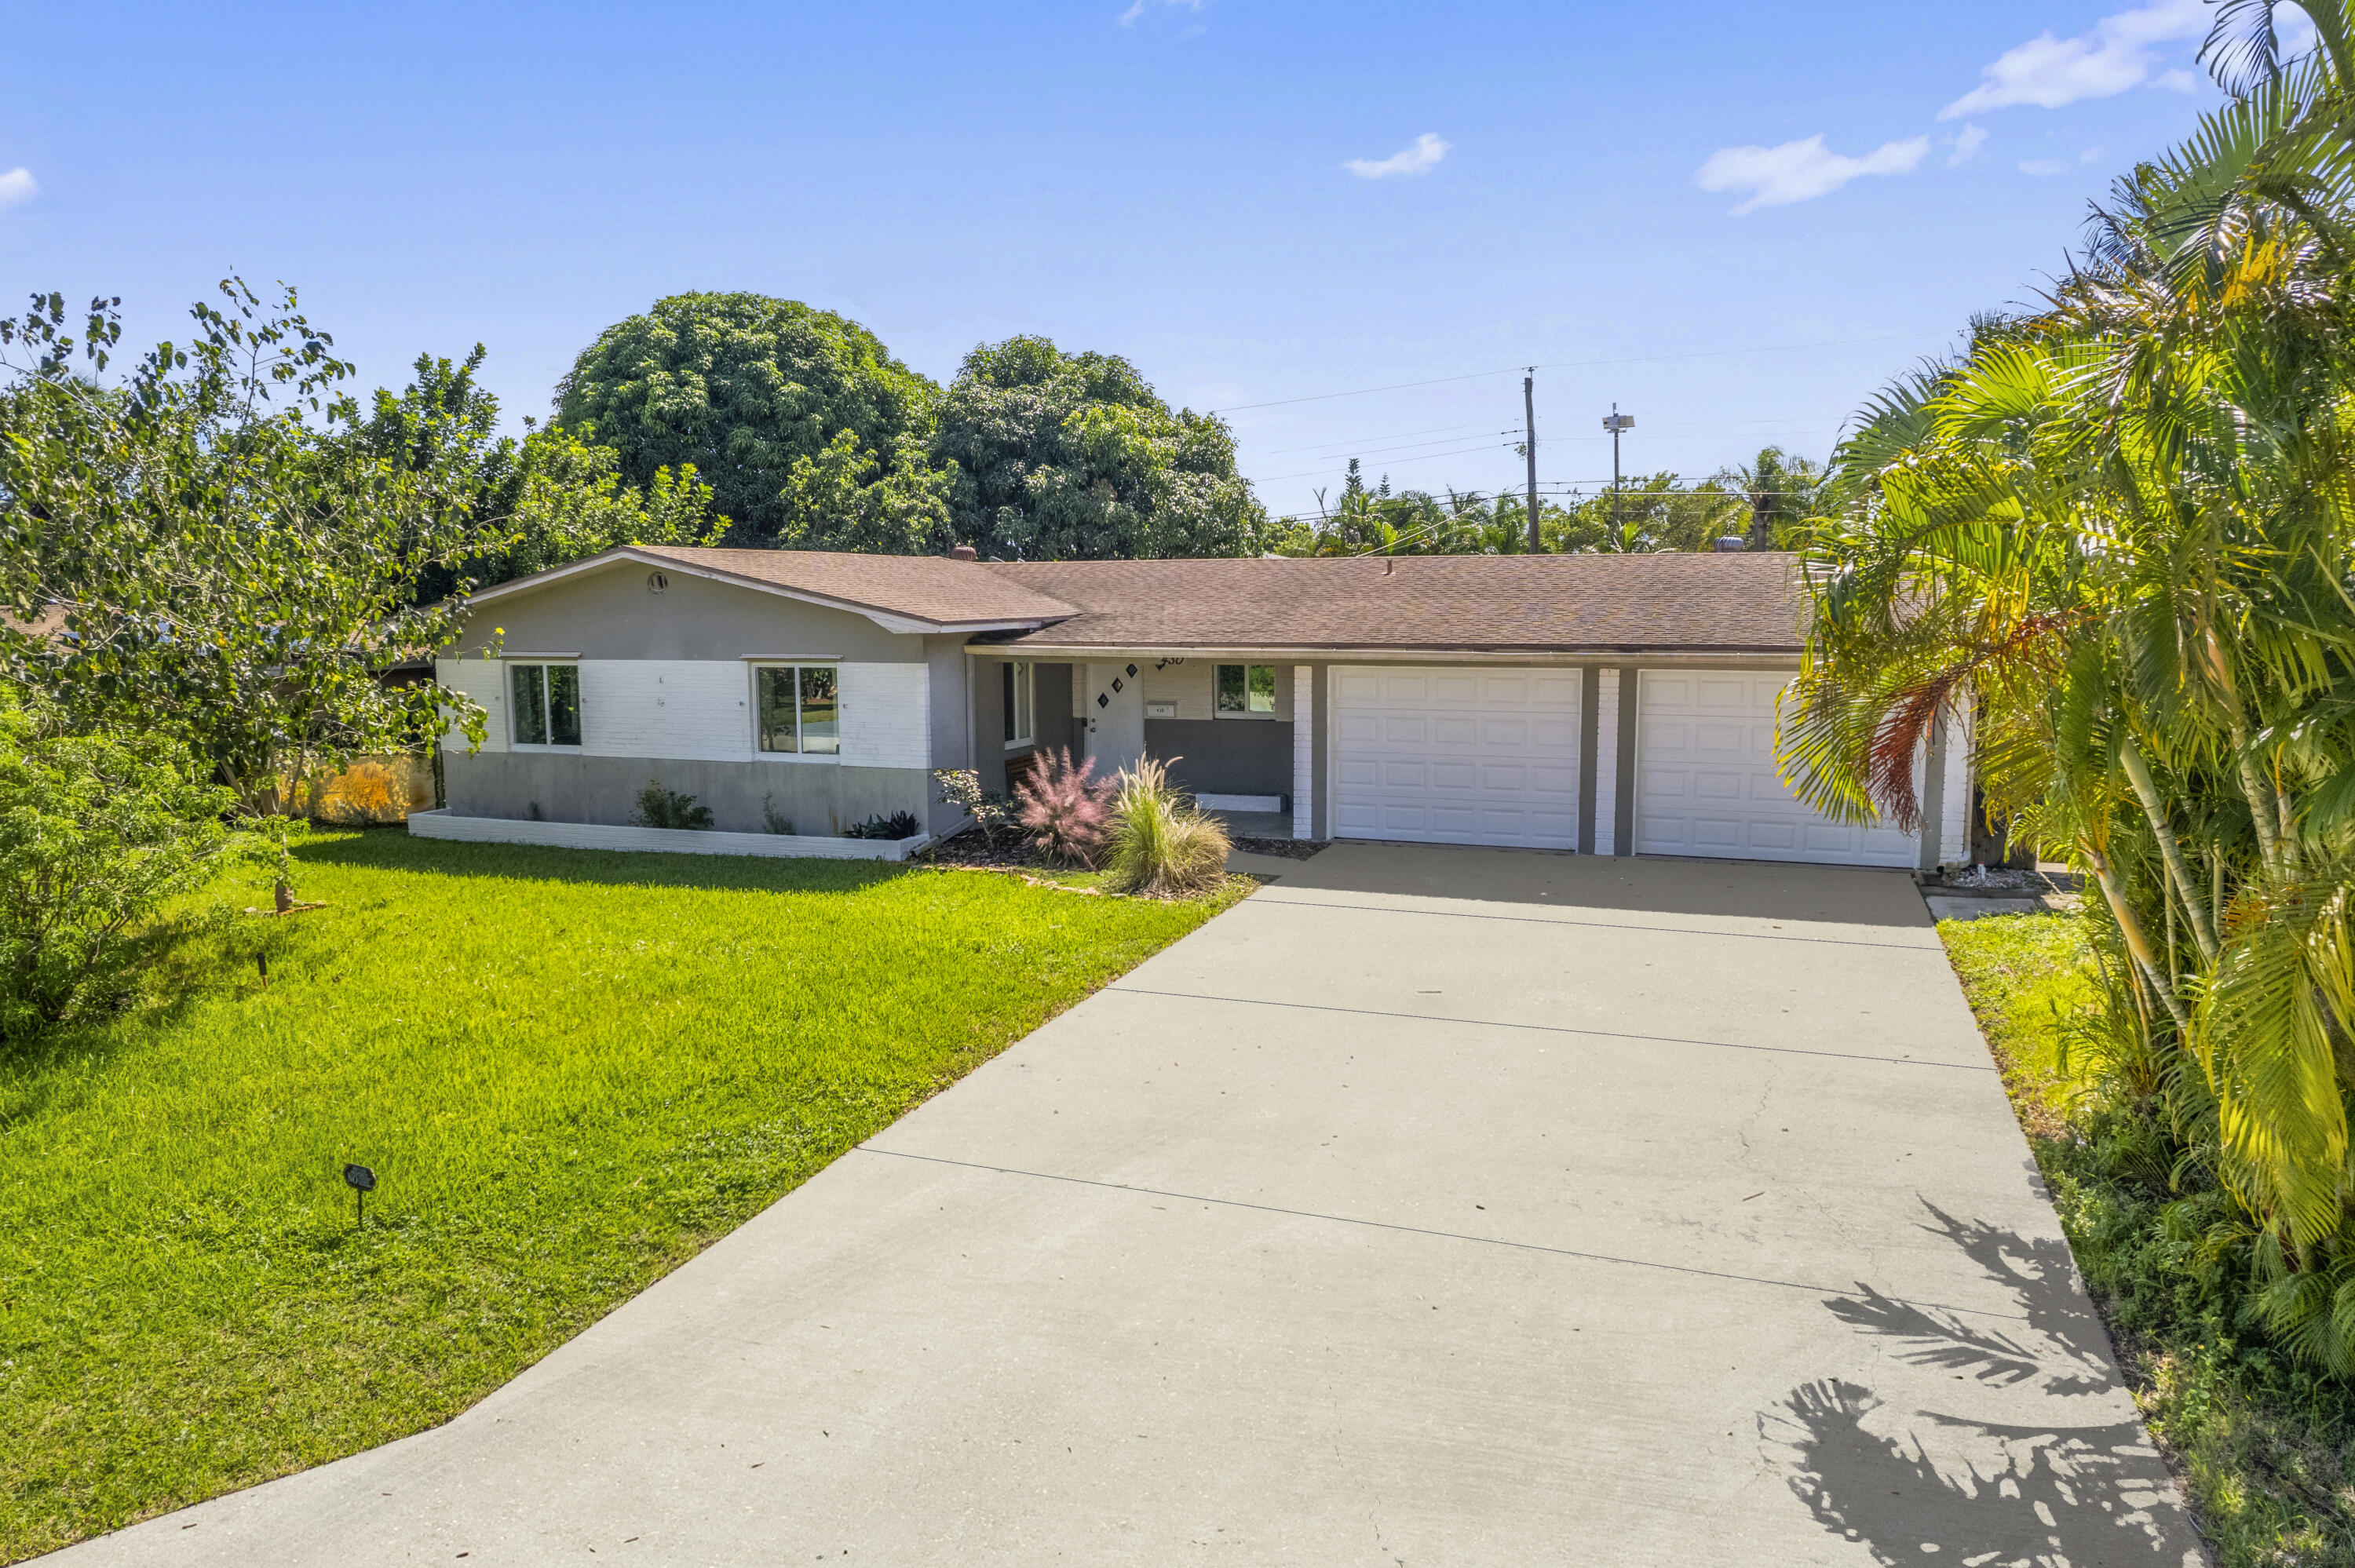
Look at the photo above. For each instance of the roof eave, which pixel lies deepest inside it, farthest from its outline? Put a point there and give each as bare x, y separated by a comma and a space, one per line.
884, 617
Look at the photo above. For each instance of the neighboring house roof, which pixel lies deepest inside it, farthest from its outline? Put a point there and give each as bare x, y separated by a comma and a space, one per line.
907, 593
1733, 602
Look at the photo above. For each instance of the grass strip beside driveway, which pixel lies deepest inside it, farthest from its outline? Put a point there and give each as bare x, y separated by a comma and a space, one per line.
2264, 1445
569, 1070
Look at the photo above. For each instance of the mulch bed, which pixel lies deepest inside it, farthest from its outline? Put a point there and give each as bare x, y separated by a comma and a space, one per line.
970, 850
1287, 849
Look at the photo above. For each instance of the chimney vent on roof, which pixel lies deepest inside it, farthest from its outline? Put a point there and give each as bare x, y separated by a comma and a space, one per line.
1732, 542
964, 553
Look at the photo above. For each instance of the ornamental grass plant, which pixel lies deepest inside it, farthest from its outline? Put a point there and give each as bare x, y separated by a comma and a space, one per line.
1062, 808
1162, 846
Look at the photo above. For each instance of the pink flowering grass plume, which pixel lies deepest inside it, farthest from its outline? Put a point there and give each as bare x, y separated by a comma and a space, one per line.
1066, 812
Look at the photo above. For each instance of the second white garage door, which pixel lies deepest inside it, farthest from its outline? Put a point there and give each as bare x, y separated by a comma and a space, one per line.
1706, 784
1456, 757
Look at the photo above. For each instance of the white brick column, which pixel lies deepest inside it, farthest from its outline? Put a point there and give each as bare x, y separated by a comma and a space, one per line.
1606, 762
1304, 750
1953, 824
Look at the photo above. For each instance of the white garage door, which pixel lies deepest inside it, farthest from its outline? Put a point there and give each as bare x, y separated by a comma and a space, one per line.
1456, 757
1706, 785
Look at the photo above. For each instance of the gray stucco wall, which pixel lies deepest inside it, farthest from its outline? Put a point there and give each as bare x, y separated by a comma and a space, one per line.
1224, 757
820, 800
608, 614
952, 701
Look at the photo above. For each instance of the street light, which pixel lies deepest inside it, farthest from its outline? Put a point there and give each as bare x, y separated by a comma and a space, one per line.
1614, 422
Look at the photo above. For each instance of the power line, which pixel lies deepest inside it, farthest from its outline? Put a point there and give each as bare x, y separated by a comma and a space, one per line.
1584, 364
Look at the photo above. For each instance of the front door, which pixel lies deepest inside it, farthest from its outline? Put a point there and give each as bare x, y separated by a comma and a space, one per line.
1112, 710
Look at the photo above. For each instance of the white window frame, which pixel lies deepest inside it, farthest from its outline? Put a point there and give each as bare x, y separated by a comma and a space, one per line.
1024, 715
508, 667
752, 677
1274, 696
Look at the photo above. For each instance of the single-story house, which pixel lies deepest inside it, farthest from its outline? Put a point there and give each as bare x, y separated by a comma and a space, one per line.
1608, 704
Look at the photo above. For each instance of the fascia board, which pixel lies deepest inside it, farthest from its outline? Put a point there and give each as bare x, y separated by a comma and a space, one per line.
1058, 652
887, 619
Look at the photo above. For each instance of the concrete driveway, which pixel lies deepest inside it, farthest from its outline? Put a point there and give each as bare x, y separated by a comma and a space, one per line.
1434, 1207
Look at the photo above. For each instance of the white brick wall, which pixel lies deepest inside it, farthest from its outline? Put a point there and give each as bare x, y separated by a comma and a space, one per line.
695, 710
1304, 752
1955, 788
1606, 762
701, 710
886, 716
485, 681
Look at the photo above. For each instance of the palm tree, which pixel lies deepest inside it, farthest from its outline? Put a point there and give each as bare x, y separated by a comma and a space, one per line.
2120, 534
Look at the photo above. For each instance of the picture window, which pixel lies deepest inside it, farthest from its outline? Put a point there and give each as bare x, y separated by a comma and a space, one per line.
800, 709
546, 704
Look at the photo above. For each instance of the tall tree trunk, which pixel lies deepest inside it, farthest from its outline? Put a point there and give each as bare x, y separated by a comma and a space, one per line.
2138, 941
2137, 772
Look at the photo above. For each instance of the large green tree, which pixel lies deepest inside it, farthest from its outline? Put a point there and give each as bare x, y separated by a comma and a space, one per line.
808, 431
1056, 456
233, 564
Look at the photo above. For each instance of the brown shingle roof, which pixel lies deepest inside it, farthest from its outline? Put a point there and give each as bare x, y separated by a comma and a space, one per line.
1733, 602
923, 588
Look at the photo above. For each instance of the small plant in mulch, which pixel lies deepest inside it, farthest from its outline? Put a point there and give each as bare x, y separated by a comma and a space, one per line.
898, 825
991, 811
661, 807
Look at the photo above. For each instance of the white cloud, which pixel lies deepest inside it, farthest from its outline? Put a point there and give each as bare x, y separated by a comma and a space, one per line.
1419, 159
1135, 13
2116, 55
2177, 80
2093, 155
17, 185
1800, 171
1967, 144
2044, 167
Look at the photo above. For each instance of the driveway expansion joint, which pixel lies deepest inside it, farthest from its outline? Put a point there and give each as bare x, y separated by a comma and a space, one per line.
1547, 1029
1858, 1293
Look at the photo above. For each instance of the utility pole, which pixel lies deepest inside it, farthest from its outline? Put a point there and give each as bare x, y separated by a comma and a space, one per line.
1614, 423
1530, 412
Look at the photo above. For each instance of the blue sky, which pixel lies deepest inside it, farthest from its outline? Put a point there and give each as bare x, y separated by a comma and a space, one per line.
1257, 203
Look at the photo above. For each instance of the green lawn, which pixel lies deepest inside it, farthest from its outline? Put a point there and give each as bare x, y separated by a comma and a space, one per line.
570, 1071
2266, 1449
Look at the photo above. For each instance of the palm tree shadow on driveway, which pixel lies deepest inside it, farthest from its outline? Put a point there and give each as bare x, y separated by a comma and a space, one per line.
1948, 1488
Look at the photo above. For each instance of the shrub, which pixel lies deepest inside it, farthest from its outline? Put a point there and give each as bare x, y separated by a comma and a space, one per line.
898, 825
97, 833
661, 807
1161, 842
990, 810
770, 821
1063, 809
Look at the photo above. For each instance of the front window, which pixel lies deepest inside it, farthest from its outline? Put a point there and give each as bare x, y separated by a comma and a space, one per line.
546, 704
801, 709
1247, 688
1018, 729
